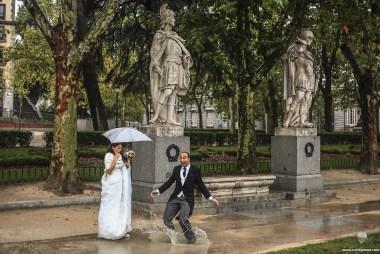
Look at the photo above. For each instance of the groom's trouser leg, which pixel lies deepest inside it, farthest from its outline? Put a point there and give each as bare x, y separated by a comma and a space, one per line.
171, 209
184, 221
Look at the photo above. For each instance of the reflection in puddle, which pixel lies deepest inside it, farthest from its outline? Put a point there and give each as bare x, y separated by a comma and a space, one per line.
233, 233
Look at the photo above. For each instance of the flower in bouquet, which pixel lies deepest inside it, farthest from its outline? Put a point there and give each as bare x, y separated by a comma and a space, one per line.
129, 155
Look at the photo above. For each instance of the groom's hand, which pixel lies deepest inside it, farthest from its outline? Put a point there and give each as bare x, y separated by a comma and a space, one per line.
154, 194
215, 201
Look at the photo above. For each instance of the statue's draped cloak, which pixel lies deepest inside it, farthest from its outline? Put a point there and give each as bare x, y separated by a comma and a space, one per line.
174, 71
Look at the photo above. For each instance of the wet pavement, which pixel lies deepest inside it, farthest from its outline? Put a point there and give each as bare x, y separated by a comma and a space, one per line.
234, 233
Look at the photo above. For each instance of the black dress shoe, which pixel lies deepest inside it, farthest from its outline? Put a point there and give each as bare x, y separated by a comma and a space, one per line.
190, 237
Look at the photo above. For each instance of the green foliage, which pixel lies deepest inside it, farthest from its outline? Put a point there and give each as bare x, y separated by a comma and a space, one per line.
24, 157
341, 149
342, 138
33, 64
204, 152
220, 137
201, 137
204, 129
89, 138
132, 108
38, 156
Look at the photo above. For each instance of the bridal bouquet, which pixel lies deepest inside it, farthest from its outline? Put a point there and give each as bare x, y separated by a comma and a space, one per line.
129, 155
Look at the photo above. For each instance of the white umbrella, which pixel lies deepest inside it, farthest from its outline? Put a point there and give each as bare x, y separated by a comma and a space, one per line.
125, 135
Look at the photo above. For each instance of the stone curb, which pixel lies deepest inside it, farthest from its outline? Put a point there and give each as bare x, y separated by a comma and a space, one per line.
48, 203
351, 182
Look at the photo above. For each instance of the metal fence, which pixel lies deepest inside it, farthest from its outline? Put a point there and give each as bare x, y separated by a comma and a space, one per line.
339, 163
23, 175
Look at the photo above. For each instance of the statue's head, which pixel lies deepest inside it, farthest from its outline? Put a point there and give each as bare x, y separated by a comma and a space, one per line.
307, 36
166, 16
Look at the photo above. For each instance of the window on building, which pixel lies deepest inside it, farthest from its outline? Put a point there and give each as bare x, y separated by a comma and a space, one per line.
2, 11
3, 35
351, 116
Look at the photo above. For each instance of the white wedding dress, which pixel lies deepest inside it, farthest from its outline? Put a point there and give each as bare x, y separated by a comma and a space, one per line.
114, 220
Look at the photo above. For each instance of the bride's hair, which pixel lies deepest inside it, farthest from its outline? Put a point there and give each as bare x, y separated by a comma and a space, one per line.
109, 149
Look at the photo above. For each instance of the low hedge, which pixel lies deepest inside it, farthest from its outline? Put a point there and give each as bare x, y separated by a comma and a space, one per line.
10, 157
40, 156
341, 138
221, 138
215, 137
84, 139
15, 138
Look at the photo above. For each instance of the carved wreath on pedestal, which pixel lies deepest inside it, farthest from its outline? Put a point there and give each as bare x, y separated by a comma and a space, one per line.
309, 149
172, 152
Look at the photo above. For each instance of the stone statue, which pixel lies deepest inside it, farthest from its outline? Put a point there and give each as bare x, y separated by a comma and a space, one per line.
300, 82
169, 69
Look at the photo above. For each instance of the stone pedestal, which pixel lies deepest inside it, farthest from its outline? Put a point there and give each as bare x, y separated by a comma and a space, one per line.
155, 161
295, 160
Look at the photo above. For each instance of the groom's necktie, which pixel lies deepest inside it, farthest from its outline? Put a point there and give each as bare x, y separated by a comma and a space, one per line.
184, 172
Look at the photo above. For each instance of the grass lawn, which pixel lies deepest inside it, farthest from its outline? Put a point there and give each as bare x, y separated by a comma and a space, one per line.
337, 246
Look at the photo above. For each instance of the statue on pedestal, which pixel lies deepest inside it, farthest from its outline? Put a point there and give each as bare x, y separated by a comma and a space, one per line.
300, 82
169, 70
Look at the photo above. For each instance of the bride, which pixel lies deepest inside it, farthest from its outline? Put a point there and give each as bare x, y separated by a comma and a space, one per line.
114, 221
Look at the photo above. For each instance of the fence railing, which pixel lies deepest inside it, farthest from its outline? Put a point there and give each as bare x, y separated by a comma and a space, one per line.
23, 175
340, 163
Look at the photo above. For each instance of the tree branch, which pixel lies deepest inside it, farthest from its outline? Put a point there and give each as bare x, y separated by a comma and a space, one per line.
333, 55
349, 55
40, 18
101, 24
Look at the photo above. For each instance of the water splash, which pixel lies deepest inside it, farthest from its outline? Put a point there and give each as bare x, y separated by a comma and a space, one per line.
159, 233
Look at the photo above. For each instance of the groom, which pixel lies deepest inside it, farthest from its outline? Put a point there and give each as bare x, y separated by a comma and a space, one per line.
185, 176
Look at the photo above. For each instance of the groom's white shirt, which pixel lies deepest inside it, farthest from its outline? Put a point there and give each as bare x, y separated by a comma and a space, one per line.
183, 178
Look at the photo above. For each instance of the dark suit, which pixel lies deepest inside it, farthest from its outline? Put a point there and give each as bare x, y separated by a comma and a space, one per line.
184, 205
193, 178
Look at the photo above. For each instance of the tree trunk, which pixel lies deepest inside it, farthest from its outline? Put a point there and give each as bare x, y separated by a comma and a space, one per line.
90, 76
63, 171
95, 102
272, 110
246, 131
329, 117
246, 119
377, 115
368, 103
200, 114
69, 51
231, 102
327, 90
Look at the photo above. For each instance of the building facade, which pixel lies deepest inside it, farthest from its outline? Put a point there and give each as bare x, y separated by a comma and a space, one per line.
7, 39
